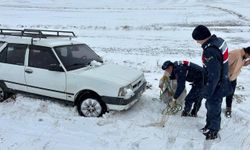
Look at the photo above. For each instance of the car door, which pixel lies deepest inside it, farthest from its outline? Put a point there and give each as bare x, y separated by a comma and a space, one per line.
12, 66
39, 78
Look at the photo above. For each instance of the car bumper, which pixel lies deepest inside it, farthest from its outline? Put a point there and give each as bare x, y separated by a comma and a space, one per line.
115, 103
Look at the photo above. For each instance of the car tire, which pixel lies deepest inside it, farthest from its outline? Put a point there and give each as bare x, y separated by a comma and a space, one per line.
3, 93
91, 106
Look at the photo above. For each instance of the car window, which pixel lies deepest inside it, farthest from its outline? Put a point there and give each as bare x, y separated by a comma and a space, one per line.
41, 57
13, 54
3, 55
76, 56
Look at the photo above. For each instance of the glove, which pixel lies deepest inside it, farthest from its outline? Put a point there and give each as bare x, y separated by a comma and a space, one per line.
161, 82
172, 103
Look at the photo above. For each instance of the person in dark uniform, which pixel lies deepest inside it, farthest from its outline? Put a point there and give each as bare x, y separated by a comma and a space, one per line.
216, 80
184, 71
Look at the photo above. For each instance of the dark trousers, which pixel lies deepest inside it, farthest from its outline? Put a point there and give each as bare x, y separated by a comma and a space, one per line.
213, 120
229, 98
194, 96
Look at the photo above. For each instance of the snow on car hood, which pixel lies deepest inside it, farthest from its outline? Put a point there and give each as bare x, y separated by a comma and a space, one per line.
111, 72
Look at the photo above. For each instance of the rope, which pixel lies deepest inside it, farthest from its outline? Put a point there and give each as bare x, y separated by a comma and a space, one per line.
169, 110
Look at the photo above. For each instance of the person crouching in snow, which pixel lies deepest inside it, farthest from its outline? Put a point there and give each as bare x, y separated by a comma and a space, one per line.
237, 59
184, 71
168, 87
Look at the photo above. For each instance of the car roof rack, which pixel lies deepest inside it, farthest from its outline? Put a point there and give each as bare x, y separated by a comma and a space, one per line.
36, 33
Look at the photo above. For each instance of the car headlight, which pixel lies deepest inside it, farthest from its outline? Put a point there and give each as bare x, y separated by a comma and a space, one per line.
126, 91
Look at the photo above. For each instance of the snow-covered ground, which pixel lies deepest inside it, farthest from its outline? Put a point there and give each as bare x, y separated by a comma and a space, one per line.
141, 34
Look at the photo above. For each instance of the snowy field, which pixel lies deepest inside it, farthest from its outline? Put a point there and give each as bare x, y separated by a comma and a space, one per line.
141, 34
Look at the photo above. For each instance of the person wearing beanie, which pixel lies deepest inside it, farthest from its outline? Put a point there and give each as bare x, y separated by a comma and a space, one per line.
216, 80
183, 71
237, 59
168, 87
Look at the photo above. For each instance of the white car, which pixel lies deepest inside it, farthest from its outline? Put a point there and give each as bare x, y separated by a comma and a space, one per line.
51, 63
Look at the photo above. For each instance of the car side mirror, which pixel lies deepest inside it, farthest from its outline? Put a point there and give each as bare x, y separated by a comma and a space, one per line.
55, 67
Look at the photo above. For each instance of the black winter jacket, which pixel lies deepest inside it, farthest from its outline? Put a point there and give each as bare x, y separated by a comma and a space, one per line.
186, 71
215, 65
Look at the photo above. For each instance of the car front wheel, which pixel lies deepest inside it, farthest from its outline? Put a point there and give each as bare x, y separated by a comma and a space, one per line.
3, 94
90, 106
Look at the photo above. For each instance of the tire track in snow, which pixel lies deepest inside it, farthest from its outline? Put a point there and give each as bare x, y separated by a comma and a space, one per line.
79, 9
240, 16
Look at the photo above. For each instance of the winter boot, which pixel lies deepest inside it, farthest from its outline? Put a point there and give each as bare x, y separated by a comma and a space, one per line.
210, 135
228, 112
185, 114
204, 129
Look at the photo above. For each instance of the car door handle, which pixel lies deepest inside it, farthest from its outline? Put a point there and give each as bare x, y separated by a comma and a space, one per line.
28, 71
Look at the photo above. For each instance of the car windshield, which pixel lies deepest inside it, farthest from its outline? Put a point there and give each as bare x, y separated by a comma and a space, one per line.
76, 56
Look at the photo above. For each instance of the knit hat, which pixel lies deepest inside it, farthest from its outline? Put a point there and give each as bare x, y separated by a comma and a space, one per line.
166, 64
201, 32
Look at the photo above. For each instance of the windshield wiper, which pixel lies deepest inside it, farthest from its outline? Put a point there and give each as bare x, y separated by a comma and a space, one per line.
77, 64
